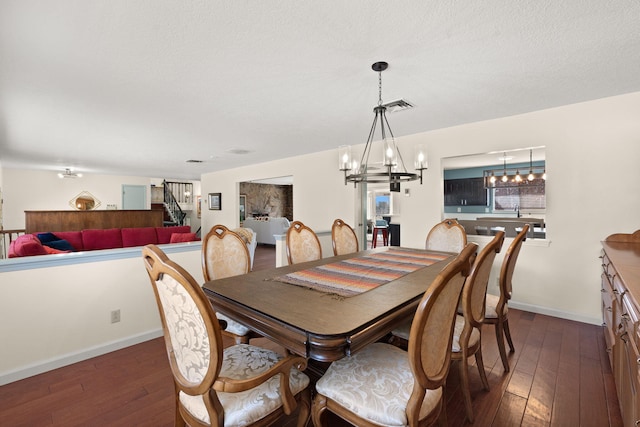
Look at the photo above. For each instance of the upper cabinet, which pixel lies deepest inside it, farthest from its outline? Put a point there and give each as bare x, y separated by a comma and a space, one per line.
465, 192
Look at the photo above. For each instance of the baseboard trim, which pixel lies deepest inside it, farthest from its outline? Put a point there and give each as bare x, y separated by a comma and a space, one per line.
70, 358
555, 313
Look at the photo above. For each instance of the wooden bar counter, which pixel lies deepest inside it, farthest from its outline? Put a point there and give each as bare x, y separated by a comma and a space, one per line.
39, 221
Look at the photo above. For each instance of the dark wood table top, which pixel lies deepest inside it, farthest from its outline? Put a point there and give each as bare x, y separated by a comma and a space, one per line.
319, 325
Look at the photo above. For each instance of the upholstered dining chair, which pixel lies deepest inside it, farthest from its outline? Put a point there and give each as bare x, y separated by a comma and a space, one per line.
467, 334
238, 385
497, 308
447, 236
343, 238
384, 385
225, 254
302, 244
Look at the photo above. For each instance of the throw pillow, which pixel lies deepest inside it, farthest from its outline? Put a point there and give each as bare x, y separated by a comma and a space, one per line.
61, 245
47, 237
183, 237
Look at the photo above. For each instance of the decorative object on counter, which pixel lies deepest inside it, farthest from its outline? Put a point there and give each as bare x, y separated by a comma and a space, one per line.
215, 201
84, 201
392, 161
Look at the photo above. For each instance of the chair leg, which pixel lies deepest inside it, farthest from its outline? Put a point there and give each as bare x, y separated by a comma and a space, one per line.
503, 351
317, 409
466, 392
305, 408
507, 334
179, 421
481, 371
442, 417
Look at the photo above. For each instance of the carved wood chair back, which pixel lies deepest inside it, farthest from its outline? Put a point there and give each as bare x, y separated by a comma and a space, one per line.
447, 236
302, 244
224, 254
207, 376
413, 380
343, 238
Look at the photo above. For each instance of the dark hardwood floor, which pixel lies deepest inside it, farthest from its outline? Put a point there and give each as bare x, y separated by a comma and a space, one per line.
560, 376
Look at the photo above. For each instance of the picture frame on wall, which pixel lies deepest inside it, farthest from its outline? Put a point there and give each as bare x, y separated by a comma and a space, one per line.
215, 201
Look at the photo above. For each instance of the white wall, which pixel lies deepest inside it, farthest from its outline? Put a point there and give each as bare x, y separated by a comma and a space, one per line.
319, 193
50, 317
592, 150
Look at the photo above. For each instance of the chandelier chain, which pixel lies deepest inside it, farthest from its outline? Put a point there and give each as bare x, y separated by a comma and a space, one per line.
379, 88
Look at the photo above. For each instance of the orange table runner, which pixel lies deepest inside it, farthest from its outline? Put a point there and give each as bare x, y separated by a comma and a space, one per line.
356, 275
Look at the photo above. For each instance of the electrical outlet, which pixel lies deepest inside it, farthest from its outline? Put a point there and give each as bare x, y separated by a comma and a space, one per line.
459, 209
115, 316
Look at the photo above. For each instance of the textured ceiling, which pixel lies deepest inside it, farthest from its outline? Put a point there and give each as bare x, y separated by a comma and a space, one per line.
140, 87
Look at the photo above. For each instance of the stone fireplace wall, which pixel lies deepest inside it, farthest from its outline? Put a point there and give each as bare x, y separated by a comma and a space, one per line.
268, 200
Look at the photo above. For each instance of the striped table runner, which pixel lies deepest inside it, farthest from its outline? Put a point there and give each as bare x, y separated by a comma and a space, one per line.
356, 275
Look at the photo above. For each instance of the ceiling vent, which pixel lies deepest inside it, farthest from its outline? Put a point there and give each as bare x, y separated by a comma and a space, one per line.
398, 105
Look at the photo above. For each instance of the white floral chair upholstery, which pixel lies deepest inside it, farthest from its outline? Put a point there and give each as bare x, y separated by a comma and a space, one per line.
302, 244
343, 238
497, 308
382, 385
467, 334
225, 254
241, 385
447, 236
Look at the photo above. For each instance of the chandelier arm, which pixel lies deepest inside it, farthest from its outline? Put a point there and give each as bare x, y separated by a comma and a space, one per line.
367, 148
395, 146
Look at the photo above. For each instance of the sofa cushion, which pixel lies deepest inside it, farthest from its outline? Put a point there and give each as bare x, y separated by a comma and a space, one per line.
26, 245
59, 244
73, 237
101, 239
164, 233
139, 236
183, 237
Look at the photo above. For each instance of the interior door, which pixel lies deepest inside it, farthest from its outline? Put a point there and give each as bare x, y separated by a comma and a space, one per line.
134, 197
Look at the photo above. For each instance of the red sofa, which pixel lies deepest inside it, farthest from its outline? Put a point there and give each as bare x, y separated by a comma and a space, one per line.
96, 239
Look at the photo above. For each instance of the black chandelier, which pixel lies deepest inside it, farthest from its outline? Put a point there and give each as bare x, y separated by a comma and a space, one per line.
395, 171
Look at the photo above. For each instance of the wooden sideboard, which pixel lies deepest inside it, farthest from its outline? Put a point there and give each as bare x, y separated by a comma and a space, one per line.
37, 221
621, 318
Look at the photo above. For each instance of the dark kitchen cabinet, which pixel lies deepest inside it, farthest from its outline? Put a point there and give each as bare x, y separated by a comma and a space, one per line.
465, 192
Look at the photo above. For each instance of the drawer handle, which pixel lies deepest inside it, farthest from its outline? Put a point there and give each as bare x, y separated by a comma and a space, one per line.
609, 309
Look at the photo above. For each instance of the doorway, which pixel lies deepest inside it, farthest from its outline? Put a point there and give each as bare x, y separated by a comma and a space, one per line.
134, 197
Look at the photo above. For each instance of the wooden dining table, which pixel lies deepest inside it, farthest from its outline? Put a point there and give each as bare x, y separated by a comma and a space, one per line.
319, 324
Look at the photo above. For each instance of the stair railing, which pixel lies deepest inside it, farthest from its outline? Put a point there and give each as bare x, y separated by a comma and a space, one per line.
173, 208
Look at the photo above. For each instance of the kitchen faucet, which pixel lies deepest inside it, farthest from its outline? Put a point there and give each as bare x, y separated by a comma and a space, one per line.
517, 209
